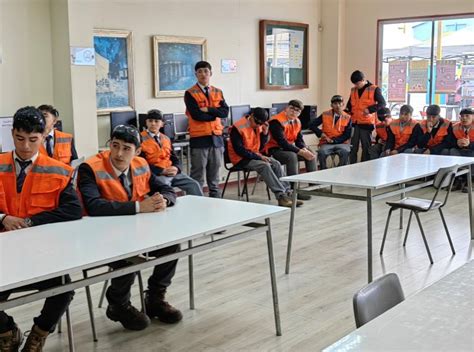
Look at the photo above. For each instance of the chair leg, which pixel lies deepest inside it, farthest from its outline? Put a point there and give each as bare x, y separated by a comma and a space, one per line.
104, 290
91, 311
257, 180
142, 297
70, 335
408, 229
225, 184
424, 237
386, 229
245, 189
268, 193
447, 231
60, 330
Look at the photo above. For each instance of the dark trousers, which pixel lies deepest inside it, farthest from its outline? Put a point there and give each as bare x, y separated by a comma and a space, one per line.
291, 161
53, 308
364, 137
376, 150
119, 291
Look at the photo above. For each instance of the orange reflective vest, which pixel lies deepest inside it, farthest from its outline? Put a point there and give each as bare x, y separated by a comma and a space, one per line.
331, 129
205, 128
439, 136
460, 133
155, 154
250, 138
359, 104
41, 190
62, 147
402, 135
381, 130
291, 130
109, 184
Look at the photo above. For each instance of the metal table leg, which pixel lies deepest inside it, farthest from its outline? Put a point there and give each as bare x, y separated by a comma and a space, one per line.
271, 260
402, 195
369, 234
191, 277
469, 197
292, 221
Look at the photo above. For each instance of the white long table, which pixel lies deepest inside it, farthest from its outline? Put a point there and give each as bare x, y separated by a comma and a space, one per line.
438, 318
39, 253
378, 175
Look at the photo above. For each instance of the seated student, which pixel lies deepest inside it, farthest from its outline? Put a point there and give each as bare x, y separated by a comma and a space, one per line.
286, 141
57, 145
34, 190
158, 152
403, 133
335, 134
247, 137
433, 139
461, 141
381, 130
119, 182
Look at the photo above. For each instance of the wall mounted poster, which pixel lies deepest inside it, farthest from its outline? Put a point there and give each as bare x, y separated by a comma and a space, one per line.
397, 81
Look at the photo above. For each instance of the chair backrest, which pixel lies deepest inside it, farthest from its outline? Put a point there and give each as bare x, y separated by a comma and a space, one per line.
445, 177
376, 298
226, 154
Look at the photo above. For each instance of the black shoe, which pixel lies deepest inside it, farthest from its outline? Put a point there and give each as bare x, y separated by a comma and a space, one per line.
129, 316
11, 340
457, 184
303, 196
157, 307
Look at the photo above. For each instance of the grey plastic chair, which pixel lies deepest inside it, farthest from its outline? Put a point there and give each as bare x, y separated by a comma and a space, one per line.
444, 179
376, 298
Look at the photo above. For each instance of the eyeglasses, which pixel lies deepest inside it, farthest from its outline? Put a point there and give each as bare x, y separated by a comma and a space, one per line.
295, 109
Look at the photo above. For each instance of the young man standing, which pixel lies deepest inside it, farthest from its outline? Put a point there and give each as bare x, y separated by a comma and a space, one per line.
119, 182
158, 152
433, 139
381, 133
335, 133
57, 145
34, 190
403, 133
205, 106
365, 100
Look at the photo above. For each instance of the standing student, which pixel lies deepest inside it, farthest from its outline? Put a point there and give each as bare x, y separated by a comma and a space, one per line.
365, 100
403, 133
34, 190
119, 182
434, 138
381, 133
205, 106
57, 144
157, 150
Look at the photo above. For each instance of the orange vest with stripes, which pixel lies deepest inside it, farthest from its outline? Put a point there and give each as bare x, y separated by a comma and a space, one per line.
331, 129
205, 128
41, 190
402, 136
460, 133
291, 130
439, 136
381, 130
62, 147
250, 138
155, 154
359, 104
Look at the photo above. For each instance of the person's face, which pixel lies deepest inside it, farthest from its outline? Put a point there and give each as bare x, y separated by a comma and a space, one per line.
433, 119
337, 106
154, 125
203, 76
405, 117
466, 119
253, 123
26, 144
292, 112
388, 121
50, 120
122, 153
359, 84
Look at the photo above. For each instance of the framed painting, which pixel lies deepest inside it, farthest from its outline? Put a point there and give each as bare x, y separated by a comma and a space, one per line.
173, 61
283, 55
113, 70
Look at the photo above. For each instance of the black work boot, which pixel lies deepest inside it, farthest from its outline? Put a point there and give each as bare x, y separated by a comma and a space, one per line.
157, 307
11, 340
129, 316
36, 340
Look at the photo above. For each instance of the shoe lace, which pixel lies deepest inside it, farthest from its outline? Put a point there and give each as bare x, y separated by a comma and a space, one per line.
34, 341
133, 310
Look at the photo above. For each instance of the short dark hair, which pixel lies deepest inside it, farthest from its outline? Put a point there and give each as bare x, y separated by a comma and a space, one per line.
406, 109
337, 98
296, 103
202, 64
260, 115
128, 134
467, 111
383, 113
357, 76
154, 114
29, 119
49, 108
433, 110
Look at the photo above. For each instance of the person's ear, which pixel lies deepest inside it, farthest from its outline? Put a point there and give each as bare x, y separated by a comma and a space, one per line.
138, 151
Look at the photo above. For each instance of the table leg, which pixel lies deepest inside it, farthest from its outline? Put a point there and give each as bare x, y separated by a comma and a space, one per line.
292, 221
469, 197
70, 335
402, 195
188, 159
191, 277
369, 234
271, 260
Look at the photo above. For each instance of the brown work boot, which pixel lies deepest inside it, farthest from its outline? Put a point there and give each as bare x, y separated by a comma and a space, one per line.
35, 340
286, 201
10, 341
157, 307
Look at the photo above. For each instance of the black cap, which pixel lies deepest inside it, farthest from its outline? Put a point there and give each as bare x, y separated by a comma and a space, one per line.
383, 113
128, 134
357, 76
433, 110
260, 115
154, 114
467, 111
337, 99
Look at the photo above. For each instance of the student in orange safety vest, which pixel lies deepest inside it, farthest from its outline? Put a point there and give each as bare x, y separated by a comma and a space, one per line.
402, 133
434, 138
381, 133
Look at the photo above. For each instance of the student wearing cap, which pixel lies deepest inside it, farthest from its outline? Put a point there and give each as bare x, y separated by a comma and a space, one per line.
364, 102
57, 144
119, 182
157, 150
435, 130
205, 106
34, 190
381, 133
403, 133
335, 133
247, 137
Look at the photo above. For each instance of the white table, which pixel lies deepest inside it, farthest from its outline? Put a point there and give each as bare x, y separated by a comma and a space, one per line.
377, 175
39, 253
439, 318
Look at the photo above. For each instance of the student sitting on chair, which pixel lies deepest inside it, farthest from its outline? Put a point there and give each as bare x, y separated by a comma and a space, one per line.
335, 134
34, 190
247, 137
57, 144
381, 133
158, 152
433, 139
119, 182
403, 133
